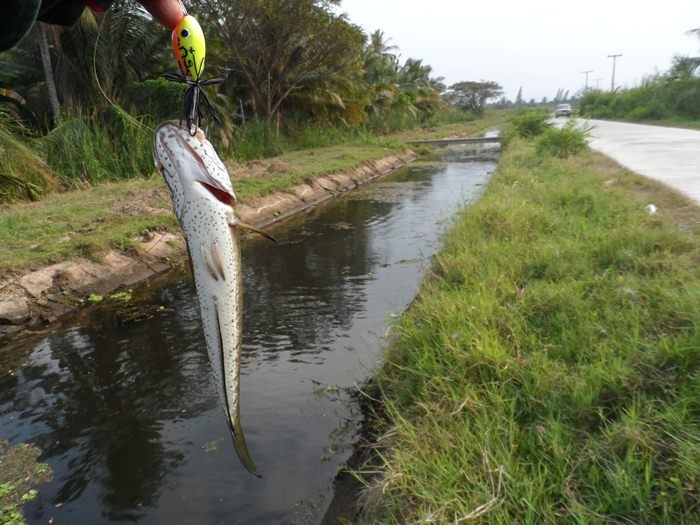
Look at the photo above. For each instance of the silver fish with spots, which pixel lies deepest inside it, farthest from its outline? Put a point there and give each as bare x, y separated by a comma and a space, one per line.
203, 201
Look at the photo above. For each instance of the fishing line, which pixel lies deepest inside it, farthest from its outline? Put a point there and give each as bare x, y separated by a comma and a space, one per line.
121, 111
116, 106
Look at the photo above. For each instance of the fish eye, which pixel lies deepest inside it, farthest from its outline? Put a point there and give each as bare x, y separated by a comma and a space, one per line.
184, 33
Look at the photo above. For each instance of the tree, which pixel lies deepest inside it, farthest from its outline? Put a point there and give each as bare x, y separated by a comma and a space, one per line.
683, 67
519, 97
381, 66
472, 96
131, 47
48, 72
281, 48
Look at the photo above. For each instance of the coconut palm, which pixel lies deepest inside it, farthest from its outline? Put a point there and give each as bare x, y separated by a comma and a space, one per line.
123, 46
381, 69
131, 47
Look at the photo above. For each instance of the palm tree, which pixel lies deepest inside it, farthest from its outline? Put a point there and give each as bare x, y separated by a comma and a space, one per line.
108, 53
381, 70
694, 61
119, 48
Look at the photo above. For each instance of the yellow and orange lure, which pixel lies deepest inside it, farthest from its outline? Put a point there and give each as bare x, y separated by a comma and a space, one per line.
190, 51
189, 47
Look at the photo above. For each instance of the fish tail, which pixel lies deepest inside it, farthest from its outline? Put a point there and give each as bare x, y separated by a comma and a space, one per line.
241, 446
233, 414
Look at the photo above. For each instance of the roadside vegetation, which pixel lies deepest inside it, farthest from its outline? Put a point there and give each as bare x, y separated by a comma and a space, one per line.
550, 369
671, 98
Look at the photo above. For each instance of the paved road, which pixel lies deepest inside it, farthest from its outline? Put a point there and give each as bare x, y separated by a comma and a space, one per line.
670, 155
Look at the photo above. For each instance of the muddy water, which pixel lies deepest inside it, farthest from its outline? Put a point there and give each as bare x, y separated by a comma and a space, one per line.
125, 409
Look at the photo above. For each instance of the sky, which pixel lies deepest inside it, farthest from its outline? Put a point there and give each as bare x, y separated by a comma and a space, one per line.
541, 45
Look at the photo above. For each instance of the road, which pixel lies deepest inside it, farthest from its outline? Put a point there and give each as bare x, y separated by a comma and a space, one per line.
671, 155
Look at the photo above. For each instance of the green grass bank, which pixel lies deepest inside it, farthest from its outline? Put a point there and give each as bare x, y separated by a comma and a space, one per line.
87, 222
549, 371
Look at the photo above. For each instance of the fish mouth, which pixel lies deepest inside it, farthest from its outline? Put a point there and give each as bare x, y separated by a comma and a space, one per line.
183, 148
219, 194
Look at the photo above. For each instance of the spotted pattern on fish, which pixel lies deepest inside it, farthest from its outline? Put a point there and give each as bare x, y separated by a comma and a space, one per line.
203, 201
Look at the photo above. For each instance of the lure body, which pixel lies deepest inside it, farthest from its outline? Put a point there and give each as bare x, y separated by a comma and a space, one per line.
190, 51
189, 47
203, 201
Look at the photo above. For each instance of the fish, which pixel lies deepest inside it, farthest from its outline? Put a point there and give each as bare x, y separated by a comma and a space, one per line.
203, 202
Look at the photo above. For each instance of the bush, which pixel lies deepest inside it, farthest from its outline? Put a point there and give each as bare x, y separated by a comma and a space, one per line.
530, 123
657, 98
159, 98
563, 142
527, 123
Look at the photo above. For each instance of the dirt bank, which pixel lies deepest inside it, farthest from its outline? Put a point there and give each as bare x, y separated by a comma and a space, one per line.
35, 298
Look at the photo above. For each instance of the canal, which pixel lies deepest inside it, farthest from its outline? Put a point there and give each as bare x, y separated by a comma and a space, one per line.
124, 406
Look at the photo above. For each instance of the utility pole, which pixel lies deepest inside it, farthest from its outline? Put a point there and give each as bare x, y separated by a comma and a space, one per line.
597, 82
586, 73
612, 83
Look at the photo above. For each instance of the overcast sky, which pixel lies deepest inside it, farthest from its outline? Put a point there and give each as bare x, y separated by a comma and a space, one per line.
541, 45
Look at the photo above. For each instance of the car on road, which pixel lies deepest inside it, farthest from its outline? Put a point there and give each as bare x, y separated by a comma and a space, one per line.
563, 110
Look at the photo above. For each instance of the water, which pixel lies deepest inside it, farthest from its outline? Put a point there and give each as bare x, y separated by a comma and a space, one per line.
126, 412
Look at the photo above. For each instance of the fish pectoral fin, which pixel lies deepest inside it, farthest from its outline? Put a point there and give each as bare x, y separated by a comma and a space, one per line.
208, 264
240, 224
218, 263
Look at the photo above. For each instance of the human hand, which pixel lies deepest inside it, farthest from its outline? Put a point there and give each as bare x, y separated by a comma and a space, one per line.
167, 12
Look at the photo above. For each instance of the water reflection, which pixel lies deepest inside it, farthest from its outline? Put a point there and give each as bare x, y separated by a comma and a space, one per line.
127, 414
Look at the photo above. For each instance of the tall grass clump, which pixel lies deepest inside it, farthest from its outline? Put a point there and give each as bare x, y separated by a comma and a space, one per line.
256, 140
96, 148
550, 370
314, 136
24, 174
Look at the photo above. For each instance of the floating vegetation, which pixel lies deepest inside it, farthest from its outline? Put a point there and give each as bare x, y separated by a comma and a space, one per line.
20, 473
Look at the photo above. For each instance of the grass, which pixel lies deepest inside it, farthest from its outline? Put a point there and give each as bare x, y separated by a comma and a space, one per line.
88, 150
550, 370
81, 223
108, 215
297, 167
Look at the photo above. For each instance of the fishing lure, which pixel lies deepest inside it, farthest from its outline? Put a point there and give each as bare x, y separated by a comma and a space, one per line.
190, 51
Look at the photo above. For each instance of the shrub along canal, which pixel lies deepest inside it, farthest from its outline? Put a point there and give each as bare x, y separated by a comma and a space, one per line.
126, 411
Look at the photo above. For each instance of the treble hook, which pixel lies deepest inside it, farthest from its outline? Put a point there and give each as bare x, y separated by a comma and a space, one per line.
191, 110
